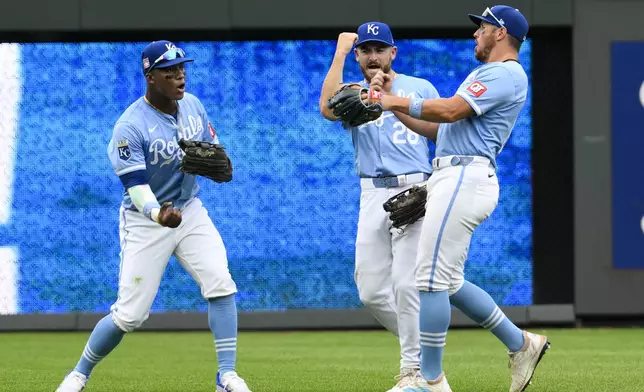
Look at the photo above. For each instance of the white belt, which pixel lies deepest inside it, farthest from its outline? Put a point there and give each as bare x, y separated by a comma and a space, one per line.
458, 160
393, 181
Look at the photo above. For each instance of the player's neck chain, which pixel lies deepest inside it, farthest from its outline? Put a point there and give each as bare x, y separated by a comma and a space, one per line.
176, 107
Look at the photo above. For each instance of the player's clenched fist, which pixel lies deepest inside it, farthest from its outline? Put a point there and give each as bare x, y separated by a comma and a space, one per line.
345, 42
381, 82
169, 216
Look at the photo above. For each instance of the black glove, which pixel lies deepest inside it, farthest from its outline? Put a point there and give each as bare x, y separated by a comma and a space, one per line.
348, 106
407, 207
206, 159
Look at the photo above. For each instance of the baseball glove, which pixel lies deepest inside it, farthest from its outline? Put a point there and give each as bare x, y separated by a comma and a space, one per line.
206, 159
407, 207
348, 106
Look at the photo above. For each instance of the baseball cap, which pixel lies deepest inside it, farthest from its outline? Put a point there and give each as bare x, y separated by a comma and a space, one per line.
375, 31
504, 16
162, 54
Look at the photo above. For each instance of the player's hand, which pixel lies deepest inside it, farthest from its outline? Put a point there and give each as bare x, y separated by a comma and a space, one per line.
169, 216
345, 43
382, 82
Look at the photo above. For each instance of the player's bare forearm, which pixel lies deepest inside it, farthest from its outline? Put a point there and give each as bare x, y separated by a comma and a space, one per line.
440, 110
331, 84
423, 128
333, 80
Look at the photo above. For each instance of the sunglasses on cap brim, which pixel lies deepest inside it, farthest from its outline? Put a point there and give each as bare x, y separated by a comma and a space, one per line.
488, 12
170, 54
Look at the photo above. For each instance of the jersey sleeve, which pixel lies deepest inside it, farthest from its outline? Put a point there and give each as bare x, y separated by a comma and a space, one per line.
126, 149
491, 88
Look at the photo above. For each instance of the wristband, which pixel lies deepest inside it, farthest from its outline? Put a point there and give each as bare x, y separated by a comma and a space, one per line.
374, 96
147, 210
154, 214
415, 107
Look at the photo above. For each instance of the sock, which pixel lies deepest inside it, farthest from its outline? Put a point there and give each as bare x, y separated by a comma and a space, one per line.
480, 307
222, 319
104, 338
435, 314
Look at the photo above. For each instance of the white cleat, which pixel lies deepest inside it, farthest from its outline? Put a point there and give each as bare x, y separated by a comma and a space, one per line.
406, 378
74, 382
231, 382
523, 362
421, 385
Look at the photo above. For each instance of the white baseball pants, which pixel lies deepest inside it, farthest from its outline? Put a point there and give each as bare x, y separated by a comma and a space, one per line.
146, 248
384, 271
461, 193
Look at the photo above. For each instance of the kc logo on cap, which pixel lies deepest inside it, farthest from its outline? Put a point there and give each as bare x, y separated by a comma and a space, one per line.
375, 31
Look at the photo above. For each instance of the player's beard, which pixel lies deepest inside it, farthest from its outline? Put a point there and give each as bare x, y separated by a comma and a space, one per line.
483, 50
371, 72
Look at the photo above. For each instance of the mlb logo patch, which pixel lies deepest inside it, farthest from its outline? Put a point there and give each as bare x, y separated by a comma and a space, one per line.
477, 89
146, 62
124, 150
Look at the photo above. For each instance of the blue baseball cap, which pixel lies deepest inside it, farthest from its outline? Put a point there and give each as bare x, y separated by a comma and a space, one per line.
375, 31
162, 54
504, 16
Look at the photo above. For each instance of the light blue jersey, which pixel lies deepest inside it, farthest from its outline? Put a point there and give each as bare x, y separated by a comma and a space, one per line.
496, 92
145, 139
385, 147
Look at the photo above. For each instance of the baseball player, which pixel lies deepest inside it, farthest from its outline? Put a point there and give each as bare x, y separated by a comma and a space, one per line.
389, 158
161, 215
464, 190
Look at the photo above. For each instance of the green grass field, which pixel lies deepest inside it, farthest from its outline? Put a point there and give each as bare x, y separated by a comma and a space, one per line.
588, 360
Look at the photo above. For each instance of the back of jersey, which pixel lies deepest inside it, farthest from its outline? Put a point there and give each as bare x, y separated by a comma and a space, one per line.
496, 92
